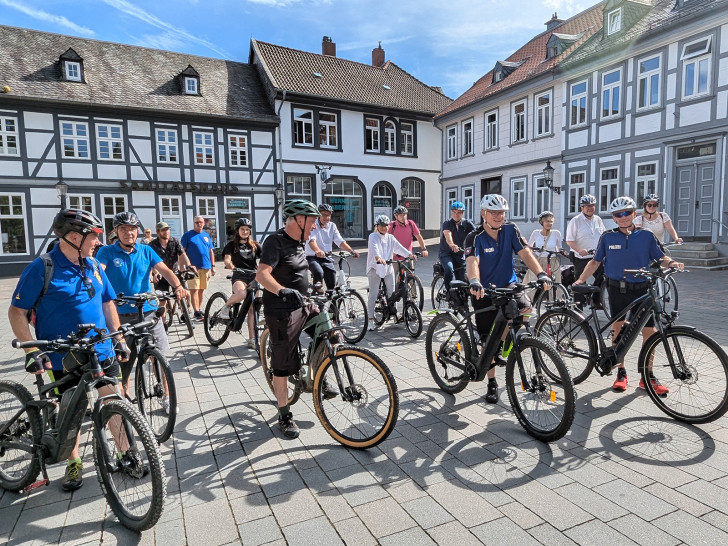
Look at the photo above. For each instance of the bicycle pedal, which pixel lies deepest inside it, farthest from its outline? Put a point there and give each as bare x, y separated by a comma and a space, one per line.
36, 485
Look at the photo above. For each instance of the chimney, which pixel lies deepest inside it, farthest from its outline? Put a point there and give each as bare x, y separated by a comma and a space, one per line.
553, 22
378, 55
328, 47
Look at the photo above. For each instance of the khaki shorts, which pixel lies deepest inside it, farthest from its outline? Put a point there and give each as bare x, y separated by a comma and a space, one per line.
199, 282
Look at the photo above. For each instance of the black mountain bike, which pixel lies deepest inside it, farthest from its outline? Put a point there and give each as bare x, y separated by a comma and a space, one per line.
346, 305
219, 322
439, 296
406, 276
180, 309
692, 366
543, 299
539, 387
37, 432
385, 306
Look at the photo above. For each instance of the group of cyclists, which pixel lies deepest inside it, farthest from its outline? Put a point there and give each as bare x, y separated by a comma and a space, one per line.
82, 287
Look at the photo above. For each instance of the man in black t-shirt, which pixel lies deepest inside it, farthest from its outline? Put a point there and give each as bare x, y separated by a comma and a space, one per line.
283, 273
170, 250
452, 238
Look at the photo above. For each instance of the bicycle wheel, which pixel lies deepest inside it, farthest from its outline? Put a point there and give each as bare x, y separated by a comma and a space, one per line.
412, 319
699, 393
416, 292
366, 411
448, 350
380, 311
438, 293
351, 313
293, 392
217, 324
574, 340
545, 409
18, 467
156, 394
546, 298
129, 466
186, 318
170, 314
667, 292
604, 295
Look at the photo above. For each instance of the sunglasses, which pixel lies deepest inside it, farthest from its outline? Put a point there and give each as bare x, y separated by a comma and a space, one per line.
622, 214
89, 286
650, 205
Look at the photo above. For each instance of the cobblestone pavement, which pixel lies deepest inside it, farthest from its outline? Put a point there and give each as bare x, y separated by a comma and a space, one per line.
454, 471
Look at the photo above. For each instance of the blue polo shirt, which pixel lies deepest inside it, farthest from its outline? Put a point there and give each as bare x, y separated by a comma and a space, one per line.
633, 251
458, 231
67, 302
129, 272
496, 256
198, 247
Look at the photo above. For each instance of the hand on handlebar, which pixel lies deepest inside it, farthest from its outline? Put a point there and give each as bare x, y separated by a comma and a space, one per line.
476, 289
291, 295
181, 292
455, 248
544, 280
37, 362
320, 254
122, 351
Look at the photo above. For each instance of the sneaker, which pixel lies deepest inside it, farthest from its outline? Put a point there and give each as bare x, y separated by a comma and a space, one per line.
251, 344
288, 427
228, 312
131, 463
659, 388
620, 384
499, 360
372, 326
166, 405
492, 395
329, 391
73, 478
199, 316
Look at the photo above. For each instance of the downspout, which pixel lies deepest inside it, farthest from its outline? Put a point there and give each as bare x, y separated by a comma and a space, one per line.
280, 149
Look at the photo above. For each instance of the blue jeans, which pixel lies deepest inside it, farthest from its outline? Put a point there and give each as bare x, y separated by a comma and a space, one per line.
322, 270
453, 266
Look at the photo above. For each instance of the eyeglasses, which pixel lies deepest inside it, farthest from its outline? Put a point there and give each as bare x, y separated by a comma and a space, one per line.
651, 205
622, 214
497, 212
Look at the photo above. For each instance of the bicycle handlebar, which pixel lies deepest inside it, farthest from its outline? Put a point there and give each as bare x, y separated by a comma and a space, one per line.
78, 340
561, 251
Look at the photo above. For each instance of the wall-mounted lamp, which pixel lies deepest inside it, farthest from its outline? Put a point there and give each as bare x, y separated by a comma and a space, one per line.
279, 194
323, 171
62, 190
548, 177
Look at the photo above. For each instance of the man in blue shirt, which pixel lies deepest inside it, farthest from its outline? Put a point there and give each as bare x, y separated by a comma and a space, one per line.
489, 256
452, 241
79, 293
627, 247
198, 245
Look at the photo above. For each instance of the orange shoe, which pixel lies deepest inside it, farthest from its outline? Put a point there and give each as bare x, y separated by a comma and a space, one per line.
659, 388
620, 384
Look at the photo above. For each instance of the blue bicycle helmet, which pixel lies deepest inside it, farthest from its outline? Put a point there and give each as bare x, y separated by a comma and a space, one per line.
457, 205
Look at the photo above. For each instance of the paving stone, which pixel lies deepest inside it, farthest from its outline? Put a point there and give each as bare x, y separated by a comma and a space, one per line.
294, 507
353, 531
312, 531
520, 515
595, 504
465, 505
596, 532
550, 506
677, 499
210, 523
427, 512
384, 517
260, 531
548, 534
334, 505
357, 485
634, 499
707, 493
411, 537
642, 532
249, 508
404, 490
503, 531
453, 533
690, 530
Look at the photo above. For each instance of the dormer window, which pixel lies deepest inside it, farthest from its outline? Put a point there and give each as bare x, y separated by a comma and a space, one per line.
503, 68
71, 66
553, 51
614, 21
498, 76
73, 71
189, 81
191, 86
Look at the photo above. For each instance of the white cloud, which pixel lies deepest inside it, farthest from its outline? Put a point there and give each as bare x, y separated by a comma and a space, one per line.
48, 17
166, 41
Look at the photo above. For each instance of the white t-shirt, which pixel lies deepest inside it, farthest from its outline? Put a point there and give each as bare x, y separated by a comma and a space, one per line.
656, 226
383, 246
585, 233
552, 242
325, 238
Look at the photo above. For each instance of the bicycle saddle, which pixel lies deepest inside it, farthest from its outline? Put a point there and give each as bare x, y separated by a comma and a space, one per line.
459, 285
585, 289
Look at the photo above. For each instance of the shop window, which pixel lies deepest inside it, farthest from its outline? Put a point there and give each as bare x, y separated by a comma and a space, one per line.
171, 212
236, 207
346, 197
382, 200
207, 208
13, 231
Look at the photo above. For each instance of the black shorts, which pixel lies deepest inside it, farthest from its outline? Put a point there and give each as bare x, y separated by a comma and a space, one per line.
110, 366
162, 285
619, 300
484, 321
284, 330
247, 278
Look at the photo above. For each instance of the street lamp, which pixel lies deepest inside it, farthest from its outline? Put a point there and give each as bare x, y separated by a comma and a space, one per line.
62, 189
279, 194
324, 174
548, 177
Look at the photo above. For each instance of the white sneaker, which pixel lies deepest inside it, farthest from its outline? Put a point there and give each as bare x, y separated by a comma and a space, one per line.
251, 344
372, 326
166, 405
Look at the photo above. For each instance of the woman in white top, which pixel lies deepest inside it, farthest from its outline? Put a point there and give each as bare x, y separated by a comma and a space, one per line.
382, 246
656, 222
549, 239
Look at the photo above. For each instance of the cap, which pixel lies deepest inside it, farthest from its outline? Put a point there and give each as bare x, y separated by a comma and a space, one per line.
162, 225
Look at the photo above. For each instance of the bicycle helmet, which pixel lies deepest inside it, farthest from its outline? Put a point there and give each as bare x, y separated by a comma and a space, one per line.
126, 218
381, 220
78, 221
544, 214
493, 201
651, 197
457, 205
587, 199
240, 222
622, 203
325, 207
296, 207
400, 210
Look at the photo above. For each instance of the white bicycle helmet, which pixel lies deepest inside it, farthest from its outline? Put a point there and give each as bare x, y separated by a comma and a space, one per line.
587, 199
622, 203
495, 202
381, 220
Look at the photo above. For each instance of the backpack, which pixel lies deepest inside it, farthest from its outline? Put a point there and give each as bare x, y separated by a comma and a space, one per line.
409, 223
47, 276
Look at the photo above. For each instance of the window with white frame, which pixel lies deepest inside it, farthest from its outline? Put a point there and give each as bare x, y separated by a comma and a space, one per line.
518, 198
577, 190
204, 148
207, 208
541, 195
170, 208
111, 205
109, 142
390, 137
577, 114
12, 224
452, 196
645, 181
452, 142
328, 126
608, 187
9, 136
469, 201
491, 130
518, 121
74, 136
542, 104
302, 127
191, 87
372, 135
696, 60
467, 137
237, 148
406, 138
81, 202
73, 71
614, 21
167, 146
299, 186
648, 82
611, 87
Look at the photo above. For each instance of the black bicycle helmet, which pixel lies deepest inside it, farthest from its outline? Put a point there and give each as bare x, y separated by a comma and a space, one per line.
240, 222
651, 197
126, 218
325, 207
296, 207
400, 210
78, 221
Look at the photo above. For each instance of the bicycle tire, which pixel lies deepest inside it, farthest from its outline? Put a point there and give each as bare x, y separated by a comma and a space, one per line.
370, 418
216, 331
546, 298
536, 407
447, 339
438, 293
170, 314
380, 311
186, 317
702, 396
150, 392
18, 468
294, 393
604, 295
573, 338
412, 319
416, 292
124, 485
351, 313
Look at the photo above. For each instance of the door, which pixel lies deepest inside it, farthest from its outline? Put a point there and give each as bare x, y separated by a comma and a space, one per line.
695, 194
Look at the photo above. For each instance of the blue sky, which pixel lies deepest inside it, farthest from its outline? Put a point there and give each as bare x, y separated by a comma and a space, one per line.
450, 43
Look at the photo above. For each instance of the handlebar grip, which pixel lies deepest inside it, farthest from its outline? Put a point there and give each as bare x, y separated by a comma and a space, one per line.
142, 325
22, 344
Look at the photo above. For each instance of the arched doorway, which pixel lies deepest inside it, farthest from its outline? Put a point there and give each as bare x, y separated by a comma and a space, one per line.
383, 199
346, 196
413, 199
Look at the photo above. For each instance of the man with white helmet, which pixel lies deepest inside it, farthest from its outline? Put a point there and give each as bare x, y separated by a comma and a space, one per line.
627, 247
489, 258
321, 241
582, 235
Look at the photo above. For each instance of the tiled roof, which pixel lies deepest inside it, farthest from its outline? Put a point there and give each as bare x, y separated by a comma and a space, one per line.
533, 54
126, 76
348, 81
